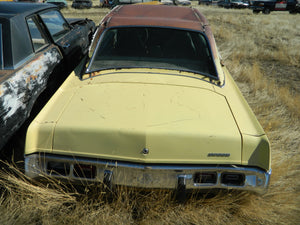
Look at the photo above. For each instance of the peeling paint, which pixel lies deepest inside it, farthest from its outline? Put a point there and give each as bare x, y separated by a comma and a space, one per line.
23, 81
20, 91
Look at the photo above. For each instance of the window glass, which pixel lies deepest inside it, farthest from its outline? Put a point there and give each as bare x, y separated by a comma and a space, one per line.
55, 23
37, 38
153, 47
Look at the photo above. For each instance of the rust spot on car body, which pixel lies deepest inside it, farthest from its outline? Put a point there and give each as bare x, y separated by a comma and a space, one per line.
31, 78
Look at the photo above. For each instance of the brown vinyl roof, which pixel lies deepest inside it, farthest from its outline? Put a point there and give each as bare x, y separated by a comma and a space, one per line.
156, 15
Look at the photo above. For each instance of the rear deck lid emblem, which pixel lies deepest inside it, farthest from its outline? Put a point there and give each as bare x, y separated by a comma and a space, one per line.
145, 151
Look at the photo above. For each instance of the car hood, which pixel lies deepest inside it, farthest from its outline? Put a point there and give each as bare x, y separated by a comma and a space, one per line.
148, 123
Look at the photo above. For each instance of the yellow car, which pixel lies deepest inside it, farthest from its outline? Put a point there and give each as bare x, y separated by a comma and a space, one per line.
152, 107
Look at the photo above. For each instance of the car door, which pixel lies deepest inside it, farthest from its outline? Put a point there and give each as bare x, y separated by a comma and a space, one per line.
38, 72
68, 38
40, 41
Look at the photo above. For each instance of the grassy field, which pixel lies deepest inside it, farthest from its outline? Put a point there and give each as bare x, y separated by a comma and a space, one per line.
263, 54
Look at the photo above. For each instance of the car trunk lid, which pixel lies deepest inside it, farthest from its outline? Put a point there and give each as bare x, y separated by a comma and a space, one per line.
148, 123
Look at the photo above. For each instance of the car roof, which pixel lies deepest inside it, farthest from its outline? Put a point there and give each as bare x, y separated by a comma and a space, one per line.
156, 15
11, 9
177, 17
16, 41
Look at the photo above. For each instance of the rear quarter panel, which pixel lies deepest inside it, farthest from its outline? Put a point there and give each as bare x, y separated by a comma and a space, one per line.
20, 89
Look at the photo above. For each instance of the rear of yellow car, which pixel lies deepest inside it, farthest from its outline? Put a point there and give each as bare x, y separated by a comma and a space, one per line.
144, 114
146, 130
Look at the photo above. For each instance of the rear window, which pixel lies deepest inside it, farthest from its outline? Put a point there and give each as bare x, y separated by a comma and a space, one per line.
153, 47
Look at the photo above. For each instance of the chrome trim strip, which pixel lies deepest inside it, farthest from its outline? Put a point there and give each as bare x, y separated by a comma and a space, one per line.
149, 175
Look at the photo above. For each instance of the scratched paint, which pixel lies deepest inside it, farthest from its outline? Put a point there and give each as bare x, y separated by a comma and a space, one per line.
20, 91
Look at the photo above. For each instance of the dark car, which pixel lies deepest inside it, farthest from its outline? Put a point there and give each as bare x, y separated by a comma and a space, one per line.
59, 3
82, 4
266, 6
237, 4
204, 2
38, 49
224, 4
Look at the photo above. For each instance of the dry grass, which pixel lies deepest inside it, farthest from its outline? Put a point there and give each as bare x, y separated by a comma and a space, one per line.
262, 53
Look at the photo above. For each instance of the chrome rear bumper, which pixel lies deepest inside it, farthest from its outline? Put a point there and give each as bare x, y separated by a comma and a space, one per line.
147, 175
